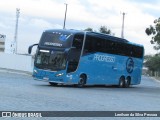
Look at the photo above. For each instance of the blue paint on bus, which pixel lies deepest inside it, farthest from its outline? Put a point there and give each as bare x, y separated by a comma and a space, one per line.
87, 58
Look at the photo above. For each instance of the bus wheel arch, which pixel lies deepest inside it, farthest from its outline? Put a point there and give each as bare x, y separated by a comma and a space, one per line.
82, 80
127, 81
121, 82
53, 83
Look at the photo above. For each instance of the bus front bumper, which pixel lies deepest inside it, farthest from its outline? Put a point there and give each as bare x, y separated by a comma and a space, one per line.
48, 76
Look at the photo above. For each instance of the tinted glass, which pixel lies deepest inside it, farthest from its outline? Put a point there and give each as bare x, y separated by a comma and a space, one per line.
96, 44
56, 39
50, 60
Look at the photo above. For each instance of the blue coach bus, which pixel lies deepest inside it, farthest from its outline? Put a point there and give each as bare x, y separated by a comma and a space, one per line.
87, 58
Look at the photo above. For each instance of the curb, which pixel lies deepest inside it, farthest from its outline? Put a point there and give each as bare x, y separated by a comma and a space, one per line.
15, 71
157, 80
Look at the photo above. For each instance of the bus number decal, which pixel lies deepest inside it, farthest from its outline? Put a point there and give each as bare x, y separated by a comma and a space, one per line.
104, 58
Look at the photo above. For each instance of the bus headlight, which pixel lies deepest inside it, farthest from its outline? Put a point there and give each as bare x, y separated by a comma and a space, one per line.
59, 74
35, 71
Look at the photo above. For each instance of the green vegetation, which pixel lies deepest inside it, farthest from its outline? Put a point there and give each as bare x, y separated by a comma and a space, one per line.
154, 31
102, 29
152, 62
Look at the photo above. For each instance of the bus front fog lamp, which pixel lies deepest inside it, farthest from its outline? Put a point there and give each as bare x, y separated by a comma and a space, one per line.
59, 74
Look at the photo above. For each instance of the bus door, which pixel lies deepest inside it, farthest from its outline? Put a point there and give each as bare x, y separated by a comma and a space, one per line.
74, 53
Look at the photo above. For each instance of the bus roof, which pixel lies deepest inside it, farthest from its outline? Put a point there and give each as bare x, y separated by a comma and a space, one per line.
96, 34
71, 31
108, 37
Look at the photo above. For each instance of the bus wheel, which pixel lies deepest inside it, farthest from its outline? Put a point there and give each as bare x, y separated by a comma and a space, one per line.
82, 81
122, 82
53, 84
127, 82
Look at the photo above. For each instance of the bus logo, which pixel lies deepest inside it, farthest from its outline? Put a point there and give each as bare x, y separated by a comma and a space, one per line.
103, 58
64, 37
129, 65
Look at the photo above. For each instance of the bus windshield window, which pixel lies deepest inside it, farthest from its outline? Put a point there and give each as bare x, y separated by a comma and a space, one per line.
51, 60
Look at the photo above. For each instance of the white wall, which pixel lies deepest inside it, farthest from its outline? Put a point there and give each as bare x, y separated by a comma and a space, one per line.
16, 62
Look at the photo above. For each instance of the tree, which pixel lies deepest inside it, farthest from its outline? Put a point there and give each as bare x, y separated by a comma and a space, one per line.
154, 30
102, 29
89, 29
152, 62
105, 30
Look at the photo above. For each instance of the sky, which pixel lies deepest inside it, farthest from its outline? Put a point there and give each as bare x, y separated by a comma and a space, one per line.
39, 15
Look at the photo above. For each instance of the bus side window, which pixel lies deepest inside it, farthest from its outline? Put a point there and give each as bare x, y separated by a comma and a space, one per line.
100, 45
108, 47
78, 41
113, 47
137, 51
73, 59
88, 47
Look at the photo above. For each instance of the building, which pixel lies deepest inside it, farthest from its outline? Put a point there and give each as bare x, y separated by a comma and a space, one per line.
2, 42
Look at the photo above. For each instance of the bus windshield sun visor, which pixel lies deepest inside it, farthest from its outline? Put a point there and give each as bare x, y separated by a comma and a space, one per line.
56, 39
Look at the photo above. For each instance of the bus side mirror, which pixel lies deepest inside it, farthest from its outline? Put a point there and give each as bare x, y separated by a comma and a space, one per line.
30, 48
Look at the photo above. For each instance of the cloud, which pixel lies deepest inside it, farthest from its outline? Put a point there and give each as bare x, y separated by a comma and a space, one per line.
2, 25
38, 15
43, 8
40, 23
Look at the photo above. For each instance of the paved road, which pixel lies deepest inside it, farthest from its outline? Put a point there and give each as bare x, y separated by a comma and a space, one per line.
22, 93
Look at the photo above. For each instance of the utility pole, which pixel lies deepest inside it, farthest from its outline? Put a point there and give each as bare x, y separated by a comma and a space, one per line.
122, 33
16, 31
65, 16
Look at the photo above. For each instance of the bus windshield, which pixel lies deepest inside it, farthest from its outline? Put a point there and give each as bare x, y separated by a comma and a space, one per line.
54, 60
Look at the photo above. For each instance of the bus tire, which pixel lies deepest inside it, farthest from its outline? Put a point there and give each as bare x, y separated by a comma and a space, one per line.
82, 81
127, 82
53, 83
121, 82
